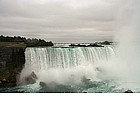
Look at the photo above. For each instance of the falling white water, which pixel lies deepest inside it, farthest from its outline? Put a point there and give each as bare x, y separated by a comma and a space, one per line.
65, 64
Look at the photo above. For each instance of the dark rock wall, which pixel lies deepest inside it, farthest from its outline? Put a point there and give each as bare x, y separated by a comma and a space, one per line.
12, 60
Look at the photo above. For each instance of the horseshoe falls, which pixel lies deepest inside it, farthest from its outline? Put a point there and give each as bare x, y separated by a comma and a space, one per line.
38, 59
68, 70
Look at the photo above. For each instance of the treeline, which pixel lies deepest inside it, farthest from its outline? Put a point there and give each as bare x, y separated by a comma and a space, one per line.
29, 42
37, 42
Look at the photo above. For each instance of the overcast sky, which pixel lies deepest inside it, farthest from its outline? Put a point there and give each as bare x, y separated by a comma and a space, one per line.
59, 20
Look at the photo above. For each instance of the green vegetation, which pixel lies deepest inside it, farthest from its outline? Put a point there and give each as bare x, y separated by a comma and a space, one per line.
22, 41
12, 44
37, 42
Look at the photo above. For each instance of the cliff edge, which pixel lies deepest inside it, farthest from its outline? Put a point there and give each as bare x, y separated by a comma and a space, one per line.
12, 60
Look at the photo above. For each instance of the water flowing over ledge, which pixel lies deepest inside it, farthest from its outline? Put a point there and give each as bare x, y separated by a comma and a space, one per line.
69, 66
46, 58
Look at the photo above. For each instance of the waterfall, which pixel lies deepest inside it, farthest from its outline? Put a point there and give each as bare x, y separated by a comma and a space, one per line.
52, 61
46, 58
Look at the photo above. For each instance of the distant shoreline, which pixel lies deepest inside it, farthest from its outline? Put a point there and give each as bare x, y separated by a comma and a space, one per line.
17, 41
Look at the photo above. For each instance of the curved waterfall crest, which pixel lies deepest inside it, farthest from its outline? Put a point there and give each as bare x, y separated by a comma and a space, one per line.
46, 58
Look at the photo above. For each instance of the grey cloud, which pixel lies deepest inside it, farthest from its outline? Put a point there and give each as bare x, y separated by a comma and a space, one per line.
58, 21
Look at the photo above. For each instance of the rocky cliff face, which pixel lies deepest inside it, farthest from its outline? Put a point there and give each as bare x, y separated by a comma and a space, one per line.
12, 60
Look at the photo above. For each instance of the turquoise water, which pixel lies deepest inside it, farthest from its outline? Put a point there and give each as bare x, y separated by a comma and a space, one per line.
86, 87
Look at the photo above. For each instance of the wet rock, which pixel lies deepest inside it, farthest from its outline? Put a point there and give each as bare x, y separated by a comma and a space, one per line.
106, 43
87, 83
33, 75
128, 91
31, 79
42, 84
3, 82
50, 85
0, 83
12, 60
94, 45
85, 80
99, 69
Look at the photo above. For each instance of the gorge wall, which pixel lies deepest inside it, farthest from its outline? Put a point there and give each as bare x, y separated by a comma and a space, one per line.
12, 60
